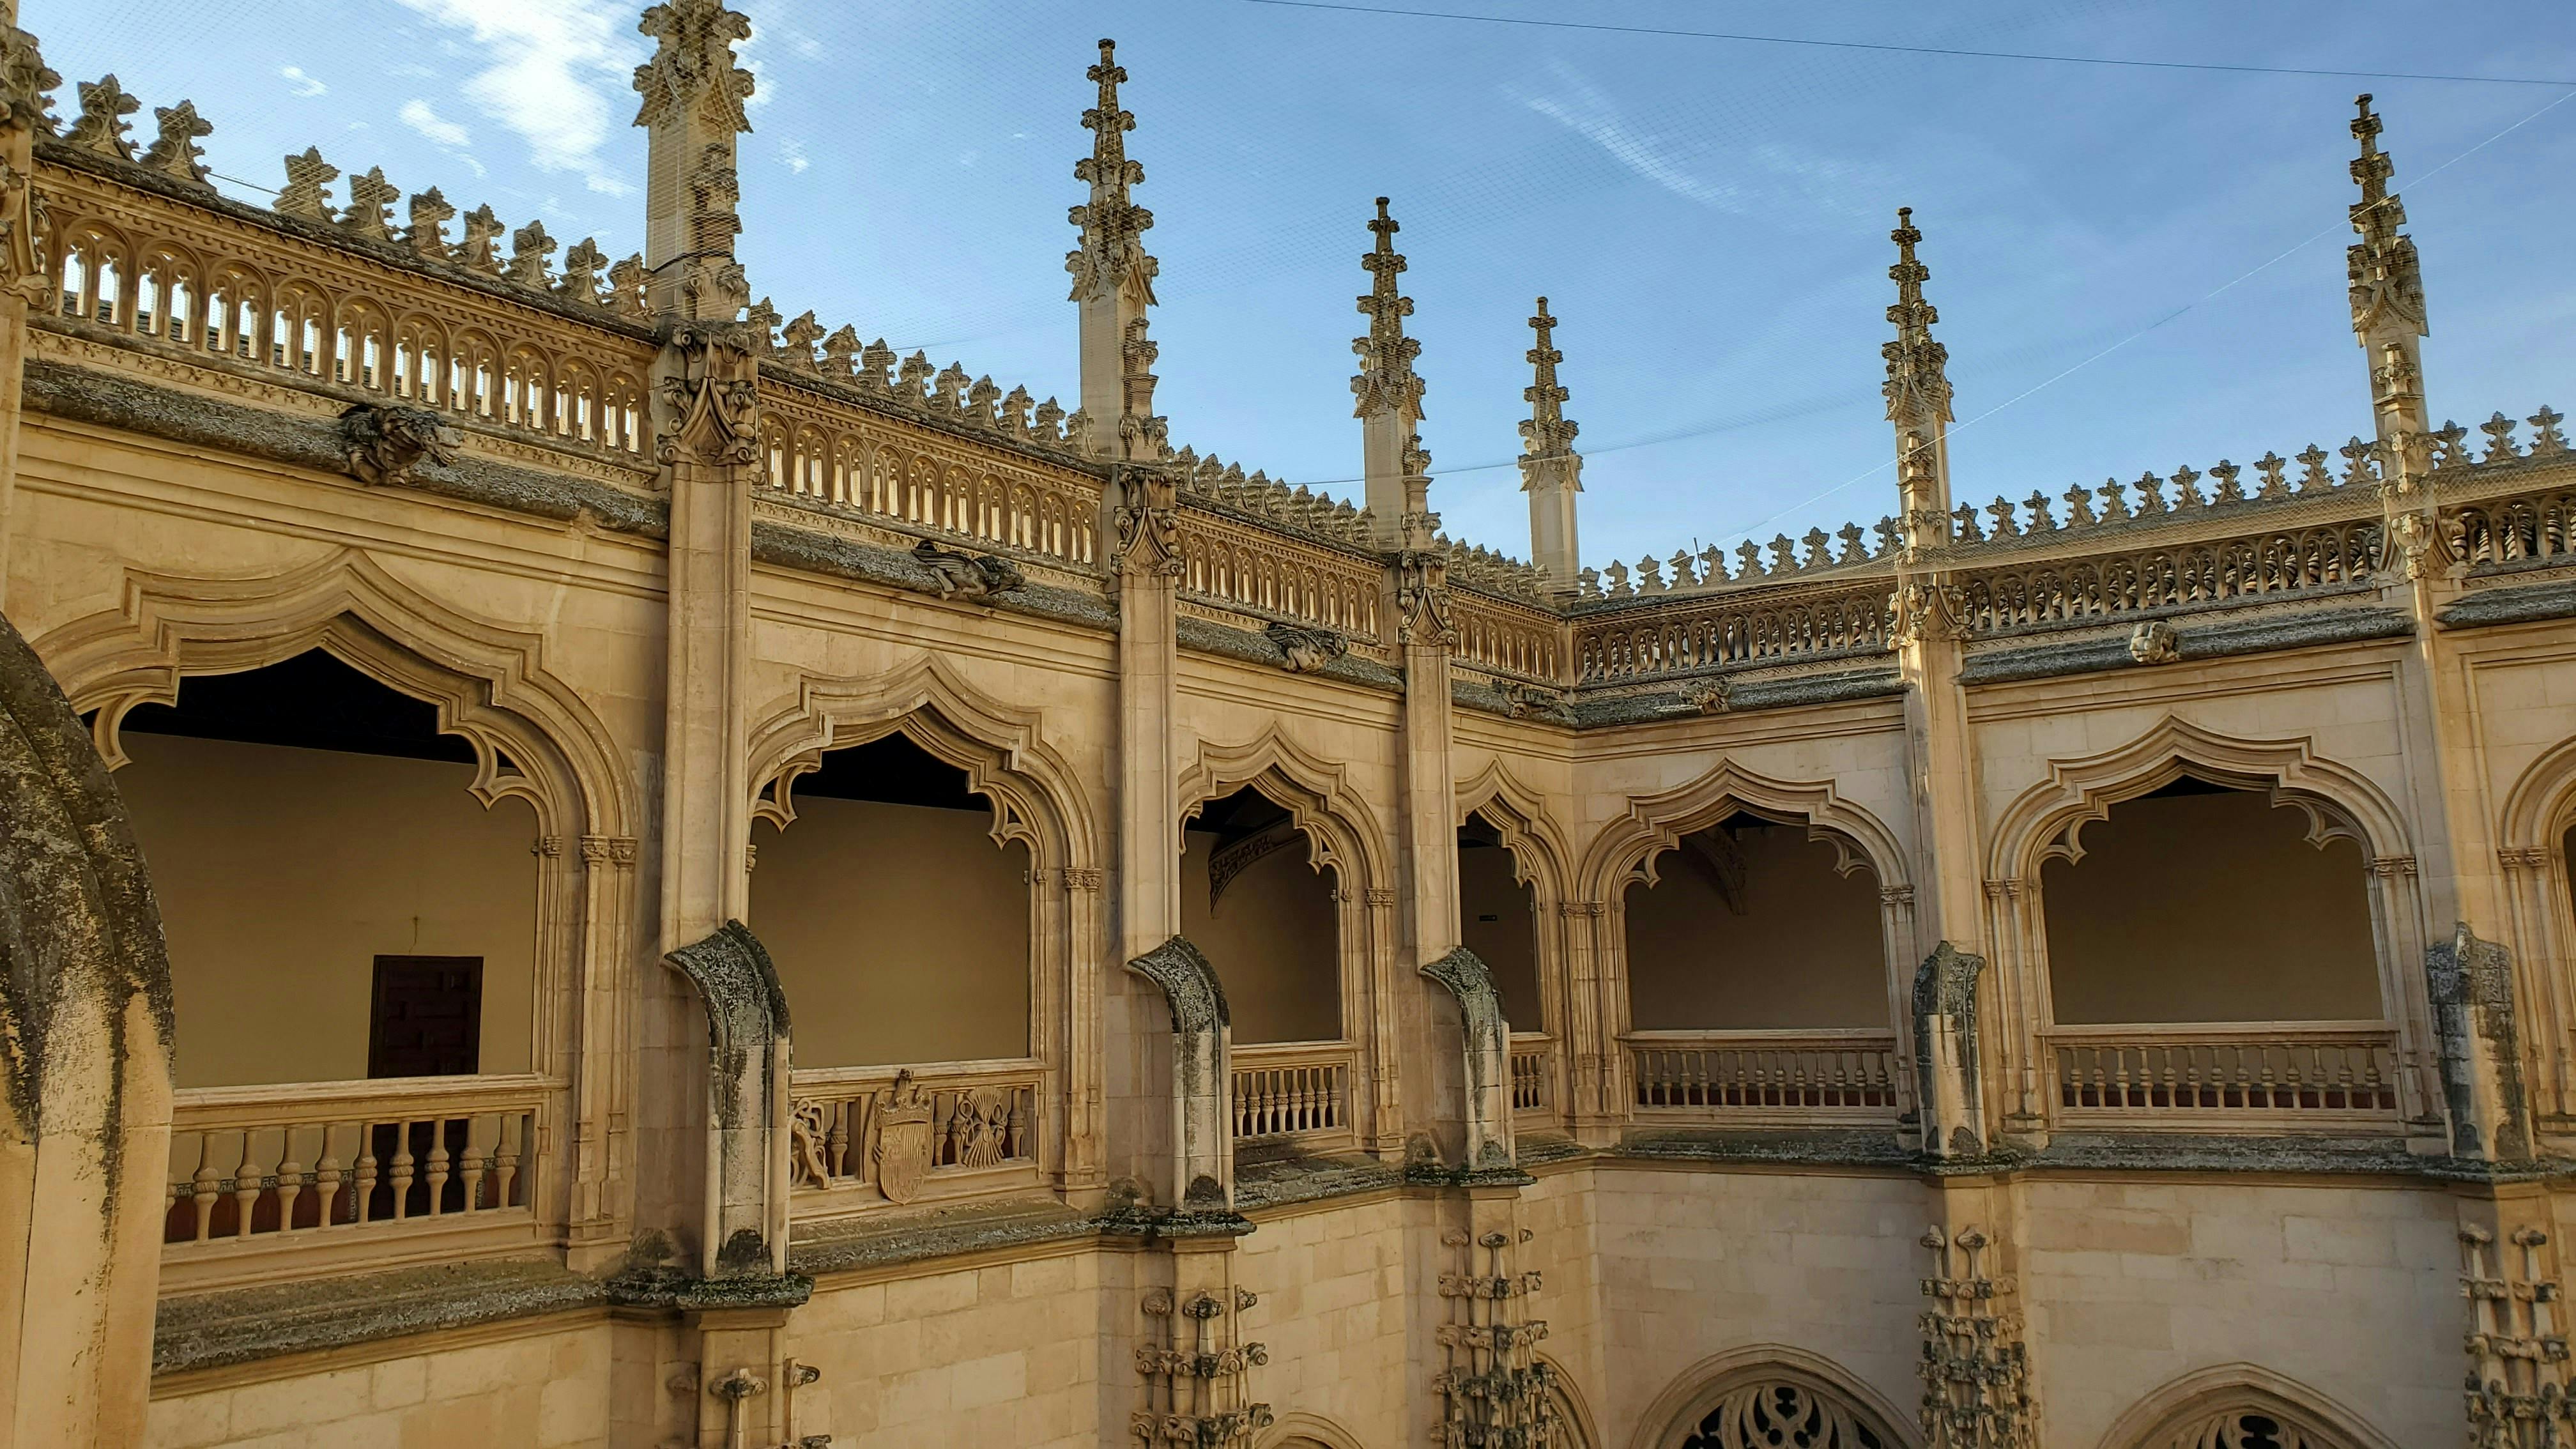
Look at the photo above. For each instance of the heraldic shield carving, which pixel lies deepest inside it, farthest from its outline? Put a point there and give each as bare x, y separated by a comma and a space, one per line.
902, 1115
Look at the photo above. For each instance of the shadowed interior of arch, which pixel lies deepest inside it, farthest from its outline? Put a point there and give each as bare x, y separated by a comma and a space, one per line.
2205, 902
1251, 899
1496, 920
1752, 926
900, 931
338, 904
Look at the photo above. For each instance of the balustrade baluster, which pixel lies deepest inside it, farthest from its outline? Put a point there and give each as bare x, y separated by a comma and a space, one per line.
438, 1166
206, 1186
290, 1181
327, 1179
474, 1164
402, 1170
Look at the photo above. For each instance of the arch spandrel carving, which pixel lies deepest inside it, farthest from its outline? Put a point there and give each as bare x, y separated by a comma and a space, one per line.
2046, 821
1541, 857
2240, 1406
1341, 830
533, 734
1626, 850
1036, 794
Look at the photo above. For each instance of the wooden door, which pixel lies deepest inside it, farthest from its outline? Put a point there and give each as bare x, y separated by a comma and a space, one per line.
427, 1020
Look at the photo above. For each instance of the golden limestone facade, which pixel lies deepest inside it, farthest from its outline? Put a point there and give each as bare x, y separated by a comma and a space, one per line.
612, 868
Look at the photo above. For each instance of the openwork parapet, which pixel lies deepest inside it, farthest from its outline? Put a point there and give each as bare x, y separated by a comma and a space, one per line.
2288, 561
1725, 630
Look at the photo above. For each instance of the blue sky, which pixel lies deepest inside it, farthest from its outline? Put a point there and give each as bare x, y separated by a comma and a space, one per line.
1707, 218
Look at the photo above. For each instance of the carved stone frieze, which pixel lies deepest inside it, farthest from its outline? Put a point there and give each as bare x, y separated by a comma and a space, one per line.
1304, 649
386, 443
955, 573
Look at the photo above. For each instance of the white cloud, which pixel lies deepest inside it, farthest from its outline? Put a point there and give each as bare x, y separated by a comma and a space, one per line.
793, 153
417, 114
1783, 181
556, 74
304, 85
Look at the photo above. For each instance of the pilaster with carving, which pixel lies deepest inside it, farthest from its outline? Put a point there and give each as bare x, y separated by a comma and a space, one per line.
2519, 1373
1976, 1367
1930, 631
1493, 1388
25, 101
1195, 1362
603, 1203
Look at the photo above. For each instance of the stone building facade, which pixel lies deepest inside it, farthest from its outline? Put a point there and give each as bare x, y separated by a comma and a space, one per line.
723, 887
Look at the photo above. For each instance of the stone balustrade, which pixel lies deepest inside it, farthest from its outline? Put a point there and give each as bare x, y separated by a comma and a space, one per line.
1533, 1074
1732, 630
1292, 1090
2325, 1076
351, 1173
1795, 1078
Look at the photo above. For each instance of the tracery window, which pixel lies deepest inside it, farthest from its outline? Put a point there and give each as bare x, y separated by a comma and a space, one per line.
2247, 1429
1781, 1414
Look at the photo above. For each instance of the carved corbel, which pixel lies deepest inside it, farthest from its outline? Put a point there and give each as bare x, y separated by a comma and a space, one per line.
710, 398
748, 1115
1148, 521
386, 443
1202, 1130
1948, 1095
1485, 1045
954, 572
2470, 982
1422, 599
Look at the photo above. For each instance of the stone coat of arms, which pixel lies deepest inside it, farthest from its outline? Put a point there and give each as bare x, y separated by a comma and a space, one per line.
903, 1138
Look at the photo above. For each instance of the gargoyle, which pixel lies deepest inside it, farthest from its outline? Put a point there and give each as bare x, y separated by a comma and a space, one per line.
385, 444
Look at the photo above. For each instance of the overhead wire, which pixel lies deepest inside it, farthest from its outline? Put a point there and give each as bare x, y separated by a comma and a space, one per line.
1890, 46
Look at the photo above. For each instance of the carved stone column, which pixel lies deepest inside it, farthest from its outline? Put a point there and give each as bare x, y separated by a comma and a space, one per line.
24, 82
1492, 1387
1196, 1364
85, 1122
2519, 1375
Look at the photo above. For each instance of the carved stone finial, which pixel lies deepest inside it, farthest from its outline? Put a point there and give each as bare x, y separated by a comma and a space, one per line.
386, 443
101, 125
1547, 429
1918, 382
1111, 257
692, 71
2386, 277
371, 204
1386, 380
480, 251
582, 266
305, 194
175, 153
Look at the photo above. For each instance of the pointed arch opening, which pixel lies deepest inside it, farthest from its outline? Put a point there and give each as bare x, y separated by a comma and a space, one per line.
1259, 897
341, 902
1498, 917
2206, 901
896, 901
1756, 922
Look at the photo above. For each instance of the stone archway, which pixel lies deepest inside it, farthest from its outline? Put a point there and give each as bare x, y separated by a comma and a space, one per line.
1771, 1396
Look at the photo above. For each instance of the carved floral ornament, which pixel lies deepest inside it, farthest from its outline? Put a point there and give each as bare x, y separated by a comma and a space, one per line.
1149, 523
710, 400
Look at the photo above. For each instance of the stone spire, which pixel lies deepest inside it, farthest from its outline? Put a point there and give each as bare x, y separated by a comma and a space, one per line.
1389, 393
692, 108
2387, 287
1113, 276
1918, 395
1551, 471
